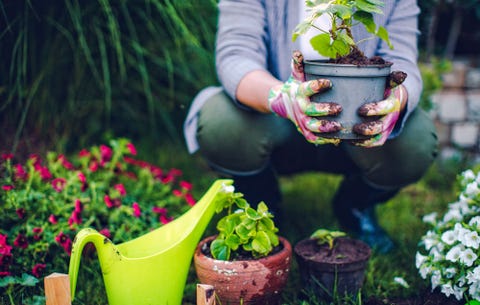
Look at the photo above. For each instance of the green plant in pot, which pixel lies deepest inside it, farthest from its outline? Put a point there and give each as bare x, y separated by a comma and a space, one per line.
246, 262
356, 79
331, 264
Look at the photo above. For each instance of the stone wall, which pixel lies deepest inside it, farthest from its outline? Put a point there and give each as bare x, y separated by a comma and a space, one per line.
457, 110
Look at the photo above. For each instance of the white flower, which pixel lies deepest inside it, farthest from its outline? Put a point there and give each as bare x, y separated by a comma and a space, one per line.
425, 271
474, 275
401, 281
454, 254
449, 237
474, 291
436, 279
228, 188
458, 292
475, 223
454, 215
430, 240
472, 189
447, 289
430, 218
471, 239
419, 259
468, 257
450, 272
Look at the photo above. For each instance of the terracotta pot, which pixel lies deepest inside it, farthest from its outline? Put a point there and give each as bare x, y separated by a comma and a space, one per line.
259, 281
352, 86
340, 270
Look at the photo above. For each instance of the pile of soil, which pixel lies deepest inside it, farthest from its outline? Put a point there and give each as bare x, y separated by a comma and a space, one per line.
358, 58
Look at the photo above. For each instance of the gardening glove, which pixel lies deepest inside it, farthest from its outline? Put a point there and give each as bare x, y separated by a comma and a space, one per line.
387, 110
291, 100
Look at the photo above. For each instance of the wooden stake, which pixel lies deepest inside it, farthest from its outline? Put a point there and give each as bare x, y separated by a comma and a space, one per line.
205, 294
57, 289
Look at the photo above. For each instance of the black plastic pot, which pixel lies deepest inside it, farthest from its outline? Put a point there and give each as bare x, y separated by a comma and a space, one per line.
352, 86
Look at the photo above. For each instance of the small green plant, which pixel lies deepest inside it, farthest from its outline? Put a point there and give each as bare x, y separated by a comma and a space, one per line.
339, 41
243, 229
324, 236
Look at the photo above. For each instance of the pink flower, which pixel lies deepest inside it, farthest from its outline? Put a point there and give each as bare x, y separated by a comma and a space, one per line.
38, 269
43, 171
7, 157
64, 241
105, 232
78, 206
7, 187
37, 233
20, 213
5, 249
20, 241
65, 162
186, 185
52, 219
83, 180
164, 219
108, 201
136, 210
93, 167
121, 189
76, 217
58, 184
190, 200
84, 153
132, 149
5, 273
159, 210
105, 153
20, 172
177, 193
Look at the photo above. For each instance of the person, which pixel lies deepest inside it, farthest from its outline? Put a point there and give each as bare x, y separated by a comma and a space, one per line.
254, 127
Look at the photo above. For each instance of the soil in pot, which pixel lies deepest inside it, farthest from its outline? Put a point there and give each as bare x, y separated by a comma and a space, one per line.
247, 281
340, 270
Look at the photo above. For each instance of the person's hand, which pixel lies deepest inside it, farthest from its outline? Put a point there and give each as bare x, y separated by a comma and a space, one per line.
291, 100
387, 110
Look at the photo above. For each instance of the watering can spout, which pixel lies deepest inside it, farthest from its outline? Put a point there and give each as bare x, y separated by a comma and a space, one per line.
152, 268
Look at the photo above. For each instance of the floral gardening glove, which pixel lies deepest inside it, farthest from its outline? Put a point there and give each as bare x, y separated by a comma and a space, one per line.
388, 111
291, 100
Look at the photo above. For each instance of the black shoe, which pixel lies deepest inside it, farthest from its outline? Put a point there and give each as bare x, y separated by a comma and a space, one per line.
366, 228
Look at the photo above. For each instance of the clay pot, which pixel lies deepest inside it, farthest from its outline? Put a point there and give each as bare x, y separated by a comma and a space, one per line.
338, 271
258, 281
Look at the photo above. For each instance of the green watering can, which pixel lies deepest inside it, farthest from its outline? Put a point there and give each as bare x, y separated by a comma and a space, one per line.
153, 268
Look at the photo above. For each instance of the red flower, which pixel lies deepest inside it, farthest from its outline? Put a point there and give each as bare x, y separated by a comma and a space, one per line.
20, 213
7, 187
37, 233
164, 219
20, 241
132, 149
52, 219
65, 162
5, 273
159, 210
105, 153
83, 180
75, 218
38, 269
106, 232
7, 157
108, 201
190, 200
20, 172
5, 249
58, 184
84, 153
177, 193
136, 210
186, 185
64, 241
44, 172
121, 189
93, 167
78, 206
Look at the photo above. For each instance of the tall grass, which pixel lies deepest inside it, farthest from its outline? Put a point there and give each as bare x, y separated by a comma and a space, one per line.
74, 67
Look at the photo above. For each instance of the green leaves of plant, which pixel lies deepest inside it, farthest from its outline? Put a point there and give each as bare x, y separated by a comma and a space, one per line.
244, 228
24, 280
325, 47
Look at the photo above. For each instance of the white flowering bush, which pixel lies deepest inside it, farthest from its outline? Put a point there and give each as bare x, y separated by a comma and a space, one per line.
449, 254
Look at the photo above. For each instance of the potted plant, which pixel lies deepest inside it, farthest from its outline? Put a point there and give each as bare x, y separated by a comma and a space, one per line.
331, 263
356, 79
246, 262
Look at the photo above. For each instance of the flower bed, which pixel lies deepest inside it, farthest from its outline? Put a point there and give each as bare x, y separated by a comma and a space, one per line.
45, 202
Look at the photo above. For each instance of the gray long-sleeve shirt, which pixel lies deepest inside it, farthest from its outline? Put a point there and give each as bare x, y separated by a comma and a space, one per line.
257, 35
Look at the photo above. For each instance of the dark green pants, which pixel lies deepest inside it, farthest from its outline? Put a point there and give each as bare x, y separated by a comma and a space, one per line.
244, 144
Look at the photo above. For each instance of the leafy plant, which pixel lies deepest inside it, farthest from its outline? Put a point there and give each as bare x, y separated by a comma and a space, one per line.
324, 236
339, 41
44, 204
243, 229
450, 257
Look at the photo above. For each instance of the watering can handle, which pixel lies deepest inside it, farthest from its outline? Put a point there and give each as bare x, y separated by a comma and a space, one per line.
82, 238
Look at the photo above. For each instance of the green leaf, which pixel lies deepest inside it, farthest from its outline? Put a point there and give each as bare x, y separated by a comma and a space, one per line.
367, 20
262, 208
242, 231
242, 203
261, 244
340, 47
342, 11
321, 44
220, 250
28, 280
233, 242
7, 280
366, 6
301, 29
383, 34
252, 214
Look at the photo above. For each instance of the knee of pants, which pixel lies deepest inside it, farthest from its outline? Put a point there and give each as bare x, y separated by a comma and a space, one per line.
405, 159
234, 140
